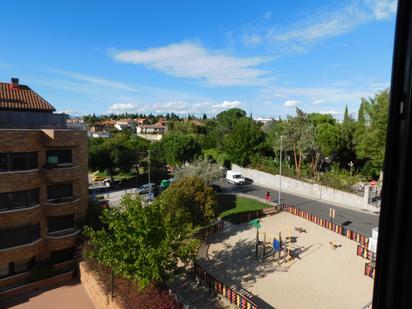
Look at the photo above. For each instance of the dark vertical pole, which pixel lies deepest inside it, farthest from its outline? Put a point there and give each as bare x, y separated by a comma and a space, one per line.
112, 284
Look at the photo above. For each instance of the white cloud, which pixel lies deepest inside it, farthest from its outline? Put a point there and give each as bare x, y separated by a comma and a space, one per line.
382, 9
119, 108
251, 39
96, 80
178, 107
331, 112
323, 24
316, 102
190, 60
291, 103
339, 95
226, 105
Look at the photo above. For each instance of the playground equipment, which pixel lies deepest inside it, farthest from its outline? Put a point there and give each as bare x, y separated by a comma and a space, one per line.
272, 245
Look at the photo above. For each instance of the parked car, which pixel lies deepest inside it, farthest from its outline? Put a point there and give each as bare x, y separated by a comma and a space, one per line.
109, 183
146, 188
98, 178
235, 177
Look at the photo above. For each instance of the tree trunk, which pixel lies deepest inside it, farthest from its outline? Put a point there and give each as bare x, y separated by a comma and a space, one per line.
296, 160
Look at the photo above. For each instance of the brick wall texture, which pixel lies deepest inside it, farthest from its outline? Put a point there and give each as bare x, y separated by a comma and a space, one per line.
15, 140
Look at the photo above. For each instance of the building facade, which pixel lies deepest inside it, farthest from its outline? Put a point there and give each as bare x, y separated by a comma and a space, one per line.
43, 185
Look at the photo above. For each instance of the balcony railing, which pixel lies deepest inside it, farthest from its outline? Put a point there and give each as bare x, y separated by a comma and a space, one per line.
61, 200
50, 166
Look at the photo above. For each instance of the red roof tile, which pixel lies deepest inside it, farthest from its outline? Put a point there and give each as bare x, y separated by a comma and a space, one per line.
21, 97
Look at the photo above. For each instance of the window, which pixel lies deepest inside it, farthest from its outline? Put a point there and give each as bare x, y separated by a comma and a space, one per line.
62, 255
4, 270
60, 193
19, 236
23, 265
17, 267
18, 161
19, 199
60, 223
60, 158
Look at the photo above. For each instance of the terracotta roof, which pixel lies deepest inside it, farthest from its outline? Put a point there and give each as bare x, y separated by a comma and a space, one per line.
21, 97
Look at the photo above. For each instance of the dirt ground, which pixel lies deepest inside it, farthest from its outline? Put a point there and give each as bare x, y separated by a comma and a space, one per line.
64, 297
319, 277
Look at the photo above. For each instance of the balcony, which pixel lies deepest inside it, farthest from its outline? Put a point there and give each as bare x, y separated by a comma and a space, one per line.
61, 173
62, 239
19, 200
18, 237
63, 208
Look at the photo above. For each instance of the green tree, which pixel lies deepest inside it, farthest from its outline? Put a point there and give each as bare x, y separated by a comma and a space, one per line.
371, 146
347, 147
192, 200
141, 244
203, 169
116, 154
243, 141
179, 148
299, 137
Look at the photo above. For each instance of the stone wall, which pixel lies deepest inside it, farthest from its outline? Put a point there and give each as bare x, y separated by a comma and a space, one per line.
313, 191
95, 289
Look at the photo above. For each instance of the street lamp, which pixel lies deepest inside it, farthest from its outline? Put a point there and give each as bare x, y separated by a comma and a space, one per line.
280, 168
350, 164
150, 186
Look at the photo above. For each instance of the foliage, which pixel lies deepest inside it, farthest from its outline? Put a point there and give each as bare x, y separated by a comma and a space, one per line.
299, 137
178, 148
141, 244
94, 213
191, 199
244, 140
216, 155
119, 153
203, 169
339, 178
371, 134
152, 297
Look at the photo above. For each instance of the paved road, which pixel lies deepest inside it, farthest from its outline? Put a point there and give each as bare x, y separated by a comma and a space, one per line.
358, 221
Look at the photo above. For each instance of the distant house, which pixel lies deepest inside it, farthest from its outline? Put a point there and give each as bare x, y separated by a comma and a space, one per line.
101, 134
139, 121
153, 132
103, 125
123, 124
76, 124
263, 120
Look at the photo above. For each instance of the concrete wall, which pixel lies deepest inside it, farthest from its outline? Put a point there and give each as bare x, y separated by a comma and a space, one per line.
313, 191
101, 298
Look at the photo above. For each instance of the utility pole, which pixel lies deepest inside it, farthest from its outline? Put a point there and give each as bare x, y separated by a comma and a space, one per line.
150, 187
280, 169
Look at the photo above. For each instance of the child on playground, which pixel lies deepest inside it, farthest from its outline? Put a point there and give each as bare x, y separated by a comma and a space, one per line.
267, 197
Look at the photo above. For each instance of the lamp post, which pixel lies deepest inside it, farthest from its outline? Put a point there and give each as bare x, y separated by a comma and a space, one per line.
280, 169
350, 164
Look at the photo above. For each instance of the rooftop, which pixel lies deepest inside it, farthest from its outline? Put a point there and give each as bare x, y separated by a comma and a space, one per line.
15, 97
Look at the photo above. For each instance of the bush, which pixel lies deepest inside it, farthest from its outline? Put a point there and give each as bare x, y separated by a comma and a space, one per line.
339, 179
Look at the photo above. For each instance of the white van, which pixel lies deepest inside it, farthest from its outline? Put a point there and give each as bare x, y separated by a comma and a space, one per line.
235, 177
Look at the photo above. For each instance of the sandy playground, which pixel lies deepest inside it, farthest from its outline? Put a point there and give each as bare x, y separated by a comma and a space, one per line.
321, 277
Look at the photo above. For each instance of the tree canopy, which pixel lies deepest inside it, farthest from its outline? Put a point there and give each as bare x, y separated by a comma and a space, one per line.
191, 199
141, 244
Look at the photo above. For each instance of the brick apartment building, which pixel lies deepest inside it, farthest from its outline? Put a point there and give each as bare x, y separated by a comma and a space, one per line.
43, 184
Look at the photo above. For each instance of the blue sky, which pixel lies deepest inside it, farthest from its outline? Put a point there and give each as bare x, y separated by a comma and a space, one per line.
199, 56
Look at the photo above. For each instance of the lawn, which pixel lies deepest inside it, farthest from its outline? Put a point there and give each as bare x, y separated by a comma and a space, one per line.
229, 205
